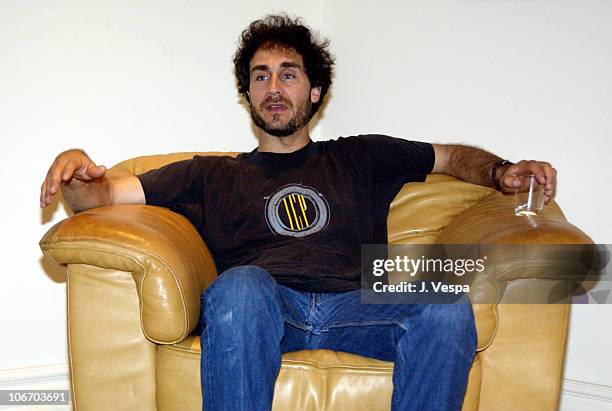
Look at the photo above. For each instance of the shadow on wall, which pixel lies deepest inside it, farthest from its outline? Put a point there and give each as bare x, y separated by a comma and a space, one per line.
46, 214
57, 273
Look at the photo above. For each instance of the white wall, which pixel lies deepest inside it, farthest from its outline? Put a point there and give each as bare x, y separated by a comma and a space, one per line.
122, 79
520, 79
526, 80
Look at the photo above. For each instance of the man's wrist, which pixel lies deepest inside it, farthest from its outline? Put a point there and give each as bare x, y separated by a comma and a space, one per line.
499, 164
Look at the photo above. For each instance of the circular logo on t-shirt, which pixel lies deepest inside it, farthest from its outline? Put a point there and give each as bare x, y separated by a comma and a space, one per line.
297, 211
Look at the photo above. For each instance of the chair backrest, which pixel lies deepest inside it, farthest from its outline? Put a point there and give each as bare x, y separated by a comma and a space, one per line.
418, 214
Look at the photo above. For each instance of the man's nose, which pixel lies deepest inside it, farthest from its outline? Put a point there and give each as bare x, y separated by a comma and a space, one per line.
274, 85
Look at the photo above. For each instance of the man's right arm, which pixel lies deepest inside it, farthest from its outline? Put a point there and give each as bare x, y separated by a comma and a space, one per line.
86, 185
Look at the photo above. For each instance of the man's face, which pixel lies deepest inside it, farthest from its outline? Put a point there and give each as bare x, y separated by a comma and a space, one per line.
280, 92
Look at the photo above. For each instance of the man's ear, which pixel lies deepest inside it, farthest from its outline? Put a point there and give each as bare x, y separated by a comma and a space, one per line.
315, 94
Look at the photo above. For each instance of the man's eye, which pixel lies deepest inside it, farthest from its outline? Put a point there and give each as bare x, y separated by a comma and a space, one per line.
261, 77
288, 76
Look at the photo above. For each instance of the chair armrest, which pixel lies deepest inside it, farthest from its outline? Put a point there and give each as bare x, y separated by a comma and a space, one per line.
492, 221
168, 259
545, 247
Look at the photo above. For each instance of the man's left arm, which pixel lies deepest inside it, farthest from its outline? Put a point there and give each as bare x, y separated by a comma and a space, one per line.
477, 166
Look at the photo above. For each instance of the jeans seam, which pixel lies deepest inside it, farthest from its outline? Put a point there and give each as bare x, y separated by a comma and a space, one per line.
296, 325
311, 310
367, 324
209, 362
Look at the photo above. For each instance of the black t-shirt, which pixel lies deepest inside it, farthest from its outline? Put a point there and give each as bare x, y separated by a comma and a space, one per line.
302, 216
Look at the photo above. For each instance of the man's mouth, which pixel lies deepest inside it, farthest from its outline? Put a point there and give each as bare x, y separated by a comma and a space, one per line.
276, 107
276, 104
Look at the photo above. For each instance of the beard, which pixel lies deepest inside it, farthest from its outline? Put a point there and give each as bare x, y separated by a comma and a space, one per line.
300, 119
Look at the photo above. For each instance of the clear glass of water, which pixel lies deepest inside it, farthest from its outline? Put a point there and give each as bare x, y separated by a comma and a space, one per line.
529, 197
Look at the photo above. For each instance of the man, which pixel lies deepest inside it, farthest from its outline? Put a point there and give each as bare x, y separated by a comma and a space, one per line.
285, 223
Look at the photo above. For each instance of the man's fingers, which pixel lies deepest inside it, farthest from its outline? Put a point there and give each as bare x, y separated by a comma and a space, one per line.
515, 177
536, 168
62, 170
511, 181
88, 172
54, 181
95, 171
69, 165
57, 174
508, 182
45, 187
47, 191
547, 176
511, 177
43, 190
68, 171
551, 178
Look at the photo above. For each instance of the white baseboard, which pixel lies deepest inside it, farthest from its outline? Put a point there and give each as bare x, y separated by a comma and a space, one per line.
587, 390
580, 395
575, 395
46, 377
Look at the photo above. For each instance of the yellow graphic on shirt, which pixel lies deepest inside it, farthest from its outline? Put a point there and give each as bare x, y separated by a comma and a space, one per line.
295, 207
296, 211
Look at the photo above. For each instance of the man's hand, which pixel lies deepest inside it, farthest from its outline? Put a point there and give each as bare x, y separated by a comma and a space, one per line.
68, 166
509, 177
474, 165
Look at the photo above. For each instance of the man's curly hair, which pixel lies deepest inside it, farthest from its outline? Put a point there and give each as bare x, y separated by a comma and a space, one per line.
285, 32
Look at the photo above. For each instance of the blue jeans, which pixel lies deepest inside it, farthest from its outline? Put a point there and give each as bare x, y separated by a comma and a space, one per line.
248, 321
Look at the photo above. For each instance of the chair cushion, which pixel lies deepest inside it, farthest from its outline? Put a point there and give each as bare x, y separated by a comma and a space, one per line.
309, 380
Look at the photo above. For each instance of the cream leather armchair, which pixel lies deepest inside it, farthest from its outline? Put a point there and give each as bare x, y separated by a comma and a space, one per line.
135, 275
